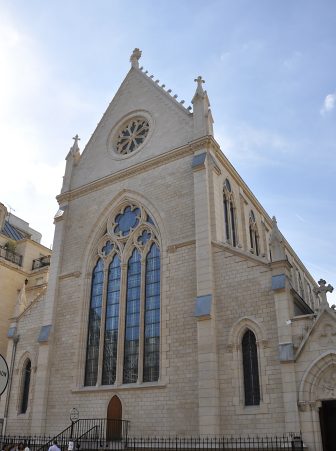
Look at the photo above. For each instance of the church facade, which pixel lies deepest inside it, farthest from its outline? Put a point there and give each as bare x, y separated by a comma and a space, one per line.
172, 290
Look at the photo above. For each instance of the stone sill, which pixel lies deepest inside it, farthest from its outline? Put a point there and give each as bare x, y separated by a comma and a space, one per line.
252, 410
123, 387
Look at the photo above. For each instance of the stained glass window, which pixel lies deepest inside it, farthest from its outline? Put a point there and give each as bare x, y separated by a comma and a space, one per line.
131, 348
111, 323
92, 352
152, 316
126, 221
25, 388
133, 228
251, 371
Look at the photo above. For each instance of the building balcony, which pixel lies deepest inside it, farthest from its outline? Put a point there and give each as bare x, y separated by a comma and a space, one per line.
41, 262
11, 256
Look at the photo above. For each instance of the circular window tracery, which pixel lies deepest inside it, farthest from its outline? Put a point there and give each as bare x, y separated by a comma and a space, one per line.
131, 135
127, 220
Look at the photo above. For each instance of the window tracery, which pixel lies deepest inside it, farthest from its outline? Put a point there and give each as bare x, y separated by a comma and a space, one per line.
124, 314
229, 214
254, 235
132, 135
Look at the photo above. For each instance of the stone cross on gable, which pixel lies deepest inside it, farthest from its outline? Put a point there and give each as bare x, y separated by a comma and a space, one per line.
323, 290
75, 148
199, 90
199, 81
136, 55
76, 138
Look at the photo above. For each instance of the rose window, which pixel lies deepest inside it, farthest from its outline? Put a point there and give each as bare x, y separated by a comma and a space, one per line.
131, 136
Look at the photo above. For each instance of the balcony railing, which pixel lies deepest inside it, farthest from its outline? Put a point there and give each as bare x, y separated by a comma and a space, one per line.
11, 256
40, 262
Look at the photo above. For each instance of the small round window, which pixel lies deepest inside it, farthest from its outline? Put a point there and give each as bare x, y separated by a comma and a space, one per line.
131, 135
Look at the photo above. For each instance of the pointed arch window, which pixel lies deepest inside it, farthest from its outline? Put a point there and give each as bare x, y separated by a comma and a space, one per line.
152, 315
25, 387
123, 342
254, 235
229, 214
111, 322
132, 332
92, 353
250, 369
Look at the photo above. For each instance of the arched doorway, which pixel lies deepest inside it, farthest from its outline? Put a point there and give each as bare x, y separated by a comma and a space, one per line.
317, 403
114, 419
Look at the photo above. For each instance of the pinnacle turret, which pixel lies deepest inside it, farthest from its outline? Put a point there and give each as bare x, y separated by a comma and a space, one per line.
202, 113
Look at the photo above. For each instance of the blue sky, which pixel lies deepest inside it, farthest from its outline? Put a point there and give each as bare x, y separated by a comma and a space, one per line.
269, 68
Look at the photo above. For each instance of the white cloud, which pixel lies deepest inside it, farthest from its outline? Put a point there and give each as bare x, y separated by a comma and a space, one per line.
34, 105
329, 103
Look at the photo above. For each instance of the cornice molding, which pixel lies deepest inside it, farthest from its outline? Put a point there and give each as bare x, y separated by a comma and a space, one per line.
174, 247
69, 275
240, 253
180, 152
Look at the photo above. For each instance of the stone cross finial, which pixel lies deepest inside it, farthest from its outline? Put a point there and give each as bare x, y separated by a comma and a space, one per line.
323, 290
136, 55
199, 80
75, 147
76, 138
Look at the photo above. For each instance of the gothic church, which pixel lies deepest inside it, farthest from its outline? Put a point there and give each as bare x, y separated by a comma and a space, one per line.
171, 290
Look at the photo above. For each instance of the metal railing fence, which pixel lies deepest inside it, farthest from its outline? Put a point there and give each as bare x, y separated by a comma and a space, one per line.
96, 439
11, 256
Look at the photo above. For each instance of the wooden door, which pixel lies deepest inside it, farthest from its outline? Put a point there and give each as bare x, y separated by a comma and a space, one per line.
114, 420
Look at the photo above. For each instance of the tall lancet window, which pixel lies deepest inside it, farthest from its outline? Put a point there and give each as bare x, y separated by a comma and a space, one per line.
25, 386
250, 369
254, 235
229, 214
131, 347
152, 315
111, 322
91, 369
123, 338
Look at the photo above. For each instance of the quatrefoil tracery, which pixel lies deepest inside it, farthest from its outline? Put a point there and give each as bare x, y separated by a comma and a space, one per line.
130, 226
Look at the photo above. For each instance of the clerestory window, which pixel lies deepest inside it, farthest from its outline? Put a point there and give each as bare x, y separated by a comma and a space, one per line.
229, 214
123, 341
254, 235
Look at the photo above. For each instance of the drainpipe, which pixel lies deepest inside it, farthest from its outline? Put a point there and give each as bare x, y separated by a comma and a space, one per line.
15, 342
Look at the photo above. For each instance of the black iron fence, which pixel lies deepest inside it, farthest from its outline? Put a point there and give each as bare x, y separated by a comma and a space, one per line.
11, 256
91, 440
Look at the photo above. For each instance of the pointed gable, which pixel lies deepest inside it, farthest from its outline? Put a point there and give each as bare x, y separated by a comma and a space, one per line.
321, 336
170, 126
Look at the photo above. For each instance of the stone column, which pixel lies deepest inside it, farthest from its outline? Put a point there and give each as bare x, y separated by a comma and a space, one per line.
208, 386
284, 311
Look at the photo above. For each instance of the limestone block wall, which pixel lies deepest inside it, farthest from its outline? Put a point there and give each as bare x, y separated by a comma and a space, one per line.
12, 280
171, 126
244, 299
170, 406
28, 329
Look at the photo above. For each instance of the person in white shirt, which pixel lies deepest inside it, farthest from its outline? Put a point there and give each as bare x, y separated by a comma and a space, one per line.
54, 446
